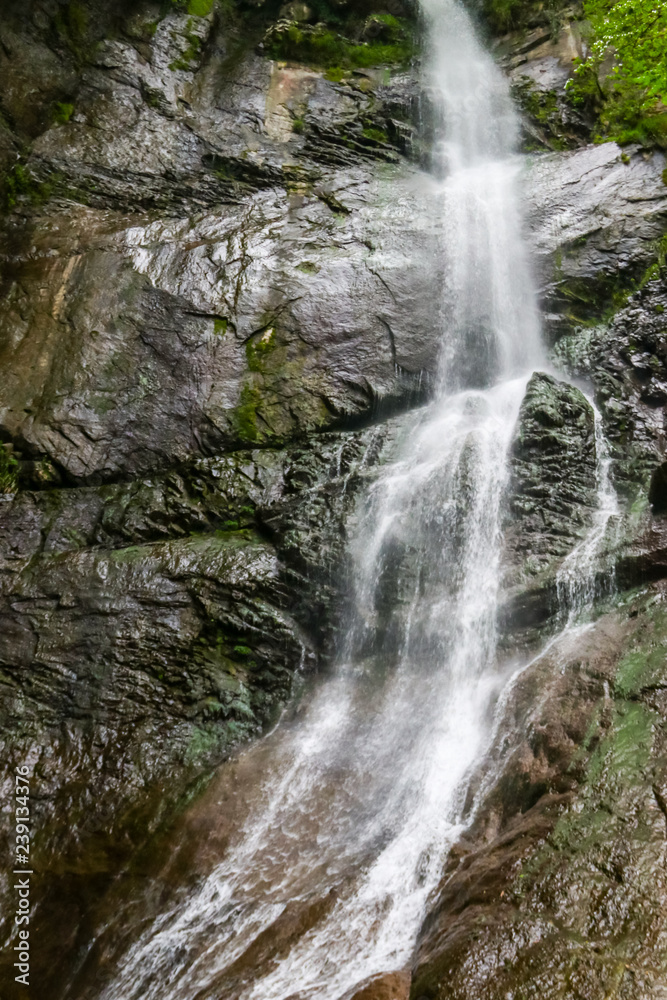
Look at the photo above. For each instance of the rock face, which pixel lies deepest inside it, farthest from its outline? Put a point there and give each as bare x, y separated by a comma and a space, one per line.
219, 287
216, 310
597, 216
552, 497
559, 888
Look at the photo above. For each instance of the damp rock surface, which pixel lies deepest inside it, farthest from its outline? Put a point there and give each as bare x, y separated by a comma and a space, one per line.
217, 318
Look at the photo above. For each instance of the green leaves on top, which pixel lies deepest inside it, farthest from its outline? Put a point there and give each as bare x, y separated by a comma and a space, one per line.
630, 98
636, 30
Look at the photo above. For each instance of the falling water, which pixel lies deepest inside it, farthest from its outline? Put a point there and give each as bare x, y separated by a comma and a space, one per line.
583, 576
364, 794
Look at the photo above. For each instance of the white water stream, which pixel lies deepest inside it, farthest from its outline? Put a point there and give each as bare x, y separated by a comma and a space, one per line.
364, 795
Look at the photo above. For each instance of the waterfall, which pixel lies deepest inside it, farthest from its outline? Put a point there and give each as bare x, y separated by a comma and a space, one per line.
363, 794
577, 581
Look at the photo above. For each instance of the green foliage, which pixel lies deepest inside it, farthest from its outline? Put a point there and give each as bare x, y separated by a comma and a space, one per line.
9, 471
637, 31
629, 104
502, 14
625, 118
323, 11
321, 47
19, 185
187, 7
62, 113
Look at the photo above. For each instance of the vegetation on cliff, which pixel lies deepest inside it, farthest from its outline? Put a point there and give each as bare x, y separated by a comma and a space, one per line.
624, 76
620, 83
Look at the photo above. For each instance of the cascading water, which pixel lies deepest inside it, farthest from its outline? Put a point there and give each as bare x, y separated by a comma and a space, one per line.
364, 794
578, 577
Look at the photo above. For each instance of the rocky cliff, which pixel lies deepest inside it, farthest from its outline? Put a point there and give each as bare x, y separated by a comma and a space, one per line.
220, 245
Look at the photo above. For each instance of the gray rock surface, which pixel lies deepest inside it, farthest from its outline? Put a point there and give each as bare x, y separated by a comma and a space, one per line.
551, 497
216, 290
596, 218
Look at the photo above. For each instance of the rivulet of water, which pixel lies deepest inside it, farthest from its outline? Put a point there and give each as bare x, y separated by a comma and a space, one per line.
583, 575
347, 834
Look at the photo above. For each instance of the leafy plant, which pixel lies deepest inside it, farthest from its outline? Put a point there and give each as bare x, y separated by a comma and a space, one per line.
630, 104
9, 471
637, 32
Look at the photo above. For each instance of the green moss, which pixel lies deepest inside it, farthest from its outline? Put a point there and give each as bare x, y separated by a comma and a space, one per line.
298, 125
103, 404
204, 741
543, 108
220, 327
258, 350
19, 185
243, 650
375, 135
62, 113
617, 763
152, 97
655, 269
245, 415
73, 29
593, 304
320, 46
191, 53
646, 665
9, 472
505, 15
200, 8
336, 74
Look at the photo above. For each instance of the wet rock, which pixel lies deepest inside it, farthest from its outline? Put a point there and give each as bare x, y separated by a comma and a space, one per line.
217, 266
552, 494
540, 62
657, 491
181, 604
565, 890
625, 359
392, 986
596, 217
